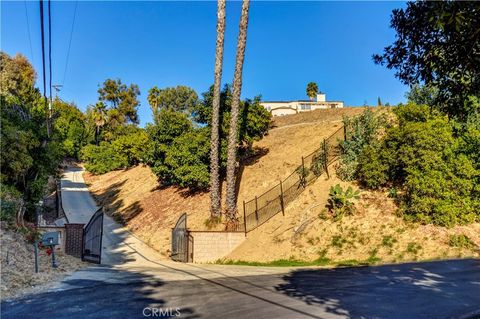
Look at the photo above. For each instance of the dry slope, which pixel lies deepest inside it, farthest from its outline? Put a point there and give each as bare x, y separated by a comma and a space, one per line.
134, 195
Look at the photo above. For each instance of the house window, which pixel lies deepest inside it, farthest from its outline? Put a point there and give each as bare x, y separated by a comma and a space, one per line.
305, 107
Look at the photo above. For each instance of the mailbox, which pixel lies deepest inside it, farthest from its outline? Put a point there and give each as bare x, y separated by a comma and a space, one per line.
50, 239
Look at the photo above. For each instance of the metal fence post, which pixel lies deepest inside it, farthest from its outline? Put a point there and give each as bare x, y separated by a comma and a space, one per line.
303, 176
326, 157
344, 132
256, 209
244, 219
282, 204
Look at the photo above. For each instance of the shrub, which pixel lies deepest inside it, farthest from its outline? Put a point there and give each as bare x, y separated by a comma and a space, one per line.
372, 169
187, 160
103, 158
10, 202
340, 202
427, 157
413, 248
362, 130
461, 241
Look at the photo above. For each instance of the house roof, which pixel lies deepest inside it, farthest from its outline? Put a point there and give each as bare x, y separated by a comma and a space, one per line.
302, 101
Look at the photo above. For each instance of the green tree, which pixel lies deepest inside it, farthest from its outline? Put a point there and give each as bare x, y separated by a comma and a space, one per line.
379, 102
180, 98
437, 44
231, 199
215, 190
26, 158
170, 125
120, 100
424, 157
312, 90
69, 126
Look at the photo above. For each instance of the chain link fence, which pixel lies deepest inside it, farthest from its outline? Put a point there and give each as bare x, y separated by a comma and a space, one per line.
263, 207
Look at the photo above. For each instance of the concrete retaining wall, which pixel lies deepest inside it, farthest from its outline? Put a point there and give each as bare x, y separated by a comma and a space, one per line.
209, 246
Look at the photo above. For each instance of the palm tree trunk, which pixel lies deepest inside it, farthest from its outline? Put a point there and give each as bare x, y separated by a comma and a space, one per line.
215, 191
232, 219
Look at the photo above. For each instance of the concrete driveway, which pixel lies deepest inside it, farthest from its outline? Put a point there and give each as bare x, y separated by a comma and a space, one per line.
136, 282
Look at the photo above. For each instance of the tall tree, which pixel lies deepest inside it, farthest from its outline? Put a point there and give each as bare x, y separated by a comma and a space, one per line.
215, 190
231, 200
312, 90
438, 44
180, 99
98, 116
379, 101
122, 99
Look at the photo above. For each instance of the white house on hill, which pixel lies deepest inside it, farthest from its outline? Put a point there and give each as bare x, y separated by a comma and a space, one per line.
280, 108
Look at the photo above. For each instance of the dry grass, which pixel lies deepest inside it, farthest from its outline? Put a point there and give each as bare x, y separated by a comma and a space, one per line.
150, 212
18, 270
134, 196
375, 232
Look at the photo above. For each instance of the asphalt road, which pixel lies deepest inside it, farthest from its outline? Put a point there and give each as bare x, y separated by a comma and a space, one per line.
136, 282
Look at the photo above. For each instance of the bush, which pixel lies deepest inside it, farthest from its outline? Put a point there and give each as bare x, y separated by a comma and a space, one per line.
103, 158
362, 130
340, 202
10, 202
187, 160
425, 157
461, 241
372, 169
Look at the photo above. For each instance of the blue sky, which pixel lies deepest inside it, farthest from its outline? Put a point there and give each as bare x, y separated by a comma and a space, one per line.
170, 43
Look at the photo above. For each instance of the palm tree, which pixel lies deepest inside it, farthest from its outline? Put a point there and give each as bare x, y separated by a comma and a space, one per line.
232, 220
312, 90
99, 115
215, 191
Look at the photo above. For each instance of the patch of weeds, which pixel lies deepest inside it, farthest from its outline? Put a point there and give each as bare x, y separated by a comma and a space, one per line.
349, 263
393, 192
373, 258
338, 241
388, 241
323, 215
322, 258
461, 241
212, 222
400, 230
413, 248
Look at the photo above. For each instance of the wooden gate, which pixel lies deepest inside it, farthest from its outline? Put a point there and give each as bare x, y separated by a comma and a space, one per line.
182, 242
92, 238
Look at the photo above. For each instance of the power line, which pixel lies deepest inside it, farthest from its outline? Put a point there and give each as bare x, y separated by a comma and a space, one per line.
43, 65
28, 28
50, 50
70, 43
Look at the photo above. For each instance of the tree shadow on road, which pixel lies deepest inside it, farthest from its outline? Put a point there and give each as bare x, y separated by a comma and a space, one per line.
107, 293
414, 290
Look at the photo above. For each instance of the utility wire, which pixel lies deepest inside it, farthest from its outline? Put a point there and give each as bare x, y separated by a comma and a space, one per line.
70, 43
28, 28
50, 49
43, 66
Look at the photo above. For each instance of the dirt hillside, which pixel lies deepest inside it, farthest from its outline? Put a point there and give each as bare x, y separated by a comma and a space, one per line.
306, 232
374, 233
134, 196
18, 270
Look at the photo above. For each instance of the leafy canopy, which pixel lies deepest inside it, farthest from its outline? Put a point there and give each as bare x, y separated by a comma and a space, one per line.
438, 44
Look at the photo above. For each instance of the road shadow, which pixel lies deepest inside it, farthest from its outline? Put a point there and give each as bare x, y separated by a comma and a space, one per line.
415, 290
102, 293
